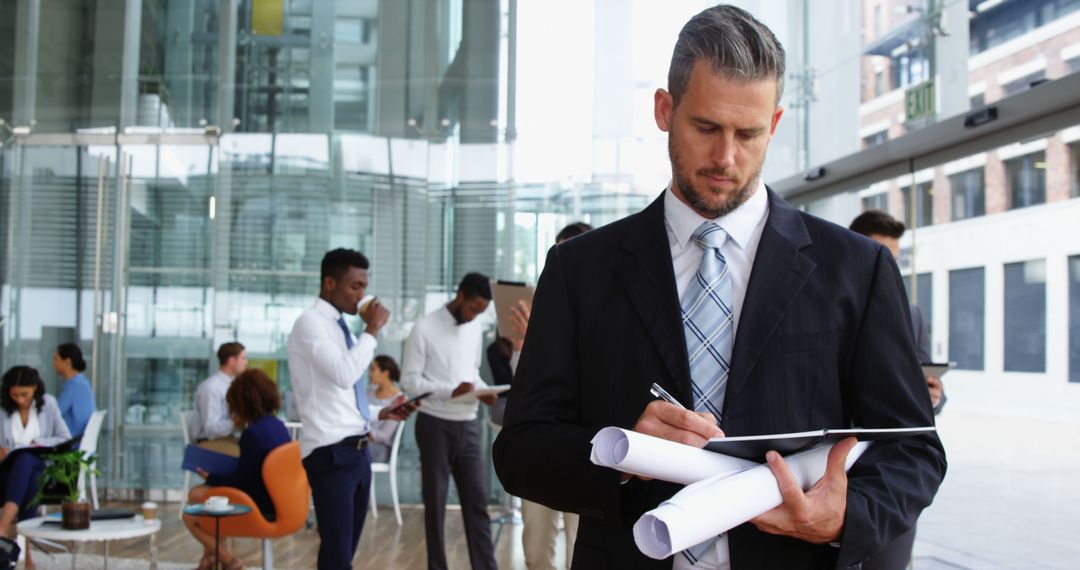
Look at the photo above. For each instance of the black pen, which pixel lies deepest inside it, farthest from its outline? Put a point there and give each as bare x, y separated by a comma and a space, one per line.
663, 395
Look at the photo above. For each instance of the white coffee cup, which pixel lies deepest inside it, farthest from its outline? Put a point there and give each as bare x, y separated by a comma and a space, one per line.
217, 503
149, 510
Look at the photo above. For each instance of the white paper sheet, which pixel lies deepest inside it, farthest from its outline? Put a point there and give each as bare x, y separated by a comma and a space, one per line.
472, 395
715, 505
648, 456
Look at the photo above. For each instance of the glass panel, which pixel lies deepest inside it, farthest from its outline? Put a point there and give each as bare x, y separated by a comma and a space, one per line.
50, 215
879, 201
968, 191
924, 205
1025, 316
967, 312
1026, 179
924, 298
1074, 318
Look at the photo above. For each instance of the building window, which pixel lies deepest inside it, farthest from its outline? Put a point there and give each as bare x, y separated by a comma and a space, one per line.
879, 83
1074, 168
968, 194
875, 139
1026, 179
1025, 316
1074, 318
909, 68
879, 201
924, 300
367, 31
967, 315
1000, 22
924, 205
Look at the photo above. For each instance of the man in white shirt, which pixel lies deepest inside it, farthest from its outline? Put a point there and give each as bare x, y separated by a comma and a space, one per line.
442, 356
215, 429
327, 362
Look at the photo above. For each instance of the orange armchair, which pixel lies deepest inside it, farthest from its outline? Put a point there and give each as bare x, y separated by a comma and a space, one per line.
286, 482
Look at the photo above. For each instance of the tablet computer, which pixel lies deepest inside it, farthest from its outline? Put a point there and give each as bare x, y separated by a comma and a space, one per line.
506, 295
937, 368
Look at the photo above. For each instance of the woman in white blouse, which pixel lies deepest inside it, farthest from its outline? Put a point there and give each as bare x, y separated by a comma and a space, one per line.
30, 418
384, 375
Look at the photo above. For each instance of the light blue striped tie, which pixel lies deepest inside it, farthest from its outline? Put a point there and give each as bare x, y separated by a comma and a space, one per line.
360, 388
708, 315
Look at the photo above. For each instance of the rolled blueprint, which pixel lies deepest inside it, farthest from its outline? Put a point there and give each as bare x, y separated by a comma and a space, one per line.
648, 456
715, 505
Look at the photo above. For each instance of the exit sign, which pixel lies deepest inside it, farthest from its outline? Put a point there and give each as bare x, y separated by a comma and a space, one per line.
920, 101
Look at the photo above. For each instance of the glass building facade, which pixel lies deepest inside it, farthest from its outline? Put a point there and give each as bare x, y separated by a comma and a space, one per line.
172, 171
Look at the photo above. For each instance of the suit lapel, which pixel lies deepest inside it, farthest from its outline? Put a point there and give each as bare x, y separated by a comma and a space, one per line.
645, 272
779, 273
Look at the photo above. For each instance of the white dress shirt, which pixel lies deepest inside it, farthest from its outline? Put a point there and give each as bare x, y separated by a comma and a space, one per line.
25, 435
439, 355
744, 227
324, 371
214, 420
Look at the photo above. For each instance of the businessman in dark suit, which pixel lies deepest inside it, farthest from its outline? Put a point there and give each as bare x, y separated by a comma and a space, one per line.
887, 230
879, 226
758, 317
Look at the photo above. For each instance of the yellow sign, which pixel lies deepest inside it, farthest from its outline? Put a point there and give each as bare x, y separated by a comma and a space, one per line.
269, 366
268, 17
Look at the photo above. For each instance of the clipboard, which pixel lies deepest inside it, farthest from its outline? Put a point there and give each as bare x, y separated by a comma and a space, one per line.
475, 394
212, 462
506, 295
754, 447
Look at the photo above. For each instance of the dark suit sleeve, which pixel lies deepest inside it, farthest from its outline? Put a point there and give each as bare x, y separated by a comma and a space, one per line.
542, 452
893, 481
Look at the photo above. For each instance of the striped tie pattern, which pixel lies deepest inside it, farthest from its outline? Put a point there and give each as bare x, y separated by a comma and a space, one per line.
708, 319
360, 388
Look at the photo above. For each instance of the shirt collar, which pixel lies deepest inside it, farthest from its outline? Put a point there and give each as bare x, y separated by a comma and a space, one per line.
739, 224
447, 317
325, 308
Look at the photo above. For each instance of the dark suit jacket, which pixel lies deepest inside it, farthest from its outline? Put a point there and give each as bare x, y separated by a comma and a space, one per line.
922, 335
824, 341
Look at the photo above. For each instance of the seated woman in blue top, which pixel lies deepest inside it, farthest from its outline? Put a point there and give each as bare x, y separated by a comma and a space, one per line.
76, 396
31, 417
253, 401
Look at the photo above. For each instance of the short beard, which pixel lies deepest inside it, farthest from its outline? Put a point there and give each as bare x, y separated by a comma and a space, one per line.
696, 198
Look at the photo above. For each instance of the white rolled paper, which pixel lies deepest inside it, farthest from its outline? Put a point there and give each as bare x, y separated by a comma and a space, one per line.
715, 505
647, 456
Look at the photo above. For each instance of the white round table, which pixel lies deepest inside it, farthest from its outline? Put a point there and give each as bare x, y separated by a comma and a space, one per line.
104, 531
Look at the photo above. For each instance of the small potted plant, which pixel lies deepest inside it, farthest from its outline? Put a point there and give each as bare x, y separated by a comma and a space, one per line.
60, 482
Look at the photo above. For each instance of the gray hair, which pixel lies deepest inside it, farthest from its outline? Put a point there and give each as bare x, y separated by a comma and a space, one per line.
737, 45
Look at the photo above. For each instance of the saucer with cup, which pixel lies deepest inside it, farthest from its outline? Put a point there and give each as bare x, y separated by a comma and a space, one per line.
216, 504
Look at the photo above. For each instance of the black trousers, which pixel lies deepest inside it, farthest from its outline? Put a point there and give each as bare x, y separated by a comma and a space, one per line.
453, 448
340, 479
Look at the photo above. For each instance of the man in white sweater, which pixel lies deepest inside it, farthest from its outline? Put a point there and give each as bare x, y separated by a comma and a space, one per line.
442, 356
